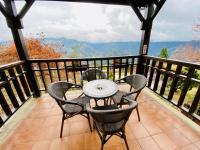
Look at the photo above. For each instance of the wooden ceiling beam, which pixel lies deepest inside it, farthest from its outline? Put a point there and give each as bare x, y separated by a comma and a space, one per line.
25, 8
159, 6
112, 2
3, 10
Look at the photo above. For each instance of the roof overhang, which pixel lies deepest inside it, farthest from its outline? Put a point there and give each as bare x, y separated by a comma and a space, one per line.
140, 3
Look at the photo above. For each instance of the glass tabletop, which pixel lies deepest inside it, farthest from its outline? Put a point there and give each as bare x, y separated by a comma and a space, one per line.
100, 89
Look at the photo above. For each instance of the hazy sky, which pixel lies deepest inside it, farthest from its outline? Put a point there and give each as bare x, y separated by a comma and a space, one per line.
105, 23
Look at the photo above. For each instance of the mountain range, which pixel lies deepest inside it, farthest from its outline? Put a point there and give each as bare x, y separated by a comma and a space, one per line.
75, 48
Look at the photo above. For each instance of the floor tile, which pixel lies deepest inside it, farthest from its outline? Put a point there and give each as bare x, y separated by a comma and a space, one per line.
138, 130
158, 129
148, 143
189, 133
164, 142
76, 142
175, 135
197, 144
189, 147
58, 144
41, 145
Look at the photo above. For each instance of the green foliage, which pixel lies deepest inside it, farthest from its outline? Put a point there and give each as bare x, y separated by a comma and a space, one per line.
164, 53
192, 84
75, 53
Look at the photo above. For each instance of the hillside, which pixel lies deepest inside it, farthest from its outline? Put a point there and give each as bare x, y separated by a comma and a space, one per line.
75, 48
89, 49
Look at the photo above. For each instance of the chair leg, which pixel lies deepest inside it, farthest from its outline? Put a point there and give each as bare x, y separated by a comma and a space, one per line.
124, 137
103, 141
88, 117
61, 130
138, 113
102, 144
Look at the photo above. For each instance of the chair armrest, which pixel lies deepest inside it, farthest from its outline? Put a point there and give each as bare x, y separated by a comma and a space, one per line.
106, 107
129, 93
130, 101
117, 81
77, 85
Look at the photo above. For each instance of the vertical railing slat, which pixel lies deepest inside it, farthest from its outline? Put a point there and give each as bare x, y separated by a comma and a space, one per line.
146, 67
114, 66
165, 79
1, 122
195, 102
126, 67
42, 76
174, 82
120, 67
58, 71
101, 64
50, 73
132, 66
186, 86
66, 71
9, 89
5, 105
157, 76
74, 71
151, 73
108, 68
23, 81
17, 86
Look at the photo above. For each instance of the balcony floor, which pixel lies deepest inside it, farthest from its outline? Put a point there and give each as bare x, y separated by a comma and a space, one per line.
159, 128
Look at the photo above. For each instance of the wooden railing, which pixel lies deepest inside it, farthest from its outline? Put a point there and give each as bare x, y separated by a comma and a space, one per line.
50, 70
14, 89
176, 81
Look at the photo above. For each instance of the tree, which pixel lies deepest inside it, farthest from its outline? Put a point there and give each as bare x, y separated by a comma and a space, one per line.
75, 53
37, 49
164, 53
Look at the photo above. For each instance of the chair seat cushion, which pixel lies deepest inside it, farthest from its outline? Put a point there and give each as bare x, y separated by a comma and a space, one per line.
118, 96
72, 109
110, 127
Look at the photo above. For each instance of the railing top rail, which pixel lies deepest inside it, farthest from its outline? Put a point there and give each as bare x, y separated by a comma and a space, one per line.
6, 66
82, 59
178, 62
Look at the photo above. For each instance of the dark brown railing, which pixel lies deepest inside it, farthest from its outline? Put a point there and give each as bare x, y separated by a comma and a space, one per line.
14, 89
176, 81
50, 70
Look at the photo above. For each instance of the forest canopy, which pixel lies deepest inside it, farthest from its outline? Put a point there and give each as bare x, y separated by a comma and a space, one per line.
36, 47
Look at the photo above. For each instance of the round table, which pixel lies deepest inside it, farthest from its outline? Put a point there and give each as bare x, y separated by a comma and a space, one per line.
100, 89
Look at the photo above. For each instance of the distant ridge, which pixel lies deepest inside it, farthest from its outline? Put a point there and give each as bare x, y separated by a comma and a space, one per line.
90, 49
76, 48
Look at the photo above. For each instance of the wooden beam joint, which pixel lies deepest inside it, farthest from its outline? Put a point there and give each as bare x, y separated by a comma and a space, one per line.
154, 5
14, 19
3, 10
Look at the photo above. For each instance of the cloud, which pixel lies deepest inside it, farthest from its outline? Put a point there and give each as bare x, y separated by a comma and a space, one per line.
104, 23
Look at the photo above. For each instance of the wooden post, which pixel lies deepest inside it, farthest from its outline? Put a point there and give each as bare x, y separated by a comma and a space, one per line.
15, 24
146, 33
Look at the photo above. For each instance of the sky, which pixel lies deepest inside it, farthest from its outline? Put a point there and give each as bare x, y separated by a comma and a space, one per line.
106, 23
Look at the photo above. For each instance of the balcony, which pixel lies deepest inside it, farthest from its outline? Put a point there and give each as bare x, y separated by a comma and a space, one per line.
169, 114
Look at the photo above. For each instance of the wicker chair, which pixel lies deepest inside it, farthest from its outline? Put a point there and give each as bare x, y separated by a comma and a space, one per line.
137, 82
92, 74
110, 120
71, 107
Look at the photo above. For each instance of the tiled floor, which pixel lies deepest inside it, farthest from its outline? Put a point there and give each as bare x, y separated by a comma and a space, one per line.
158, 129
